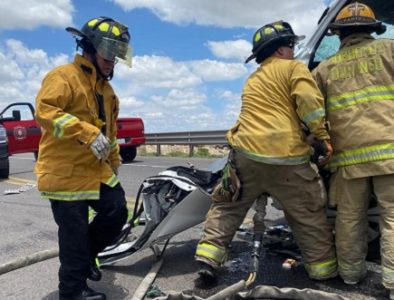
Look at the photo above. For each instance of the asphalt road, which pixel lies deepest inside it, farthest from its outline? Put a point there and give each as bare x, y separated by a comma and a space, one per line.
27, 226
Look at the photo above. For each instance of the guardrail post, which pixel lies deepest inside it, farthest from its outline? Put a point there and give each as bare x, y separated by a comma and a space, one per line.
189, 138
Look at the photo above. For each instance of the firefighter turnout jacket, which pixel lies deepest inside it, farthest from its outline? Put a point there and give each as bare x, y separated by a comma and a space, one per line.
67, 108
357, 84
268, 128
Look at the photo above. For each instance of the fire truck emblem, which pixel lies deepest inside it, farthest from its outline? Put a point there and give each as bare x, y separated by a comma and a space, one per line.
20, 133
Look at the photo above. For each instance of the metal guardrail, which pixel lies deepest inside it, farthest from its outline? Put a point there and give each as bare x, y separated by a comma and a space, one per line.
190, 138
187, 138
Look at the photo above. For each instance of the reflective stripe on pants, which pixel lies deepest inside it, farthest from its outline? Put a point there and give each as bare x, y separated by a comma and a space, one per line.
321, 270
352, 197
299, 190
212, 253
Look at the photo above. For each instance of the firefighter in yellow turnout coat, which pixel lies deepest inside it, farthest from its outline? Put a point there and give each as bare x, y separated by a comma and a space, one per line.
358, 86
78, 154
271, 157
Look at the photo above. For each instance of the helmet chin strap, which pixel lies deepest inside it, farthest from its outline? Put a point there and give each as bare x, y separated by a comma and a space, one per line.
98, 70
89, 49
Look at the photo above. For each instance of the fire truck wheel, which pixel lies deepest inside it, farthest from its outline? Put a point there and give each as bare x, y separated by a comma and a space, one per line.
128, 153
4, 168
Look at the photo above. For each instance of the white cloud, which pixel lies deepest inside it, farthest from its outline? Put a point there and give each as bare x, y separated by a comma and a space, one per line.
30, 14
229, 96
211, 70
237, 49
181, 99
9, 70
130, 102
233, 13
158, 89
177, 90
157, 72
152, 73
24, 55
22, 69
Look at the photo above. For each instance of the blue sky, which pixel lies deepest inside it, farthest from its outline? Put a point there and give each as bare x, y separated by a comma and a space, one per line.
188, 55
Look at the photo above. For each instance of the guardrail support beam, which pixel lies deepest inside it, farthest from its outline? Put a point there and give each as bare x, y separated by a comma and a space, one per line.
189, 138
191, 150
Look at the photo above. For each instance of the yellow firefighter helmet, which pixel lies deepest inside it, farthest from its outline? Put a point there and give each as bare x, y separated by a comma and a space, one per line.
357, 15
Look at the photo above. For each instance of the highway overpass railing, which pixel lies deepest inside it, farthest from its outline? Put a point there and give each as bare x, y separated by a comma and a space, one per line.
189, 138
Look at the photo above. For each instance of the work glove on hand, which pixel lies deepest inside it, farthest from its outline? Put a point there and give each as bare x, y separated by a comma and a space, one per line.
101, 146
323, 151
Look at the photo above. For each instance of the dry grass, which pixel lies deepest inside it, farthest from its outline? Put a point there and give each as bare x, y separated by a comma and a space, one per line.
181, 150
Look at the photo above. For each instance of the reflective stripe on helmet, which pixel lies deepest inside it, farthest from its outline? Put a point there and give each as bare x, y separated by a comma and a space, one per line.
105, 26
362, 155
60, 123
212, 252
91, 23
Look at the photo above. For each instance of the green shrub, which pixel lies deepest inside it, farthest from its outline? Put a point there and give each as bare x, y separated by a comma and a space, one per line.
177, 154
202, 152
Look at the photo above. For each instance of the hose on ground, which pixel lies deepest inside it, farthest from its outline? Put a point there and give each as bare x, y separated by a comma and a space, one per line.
147, 281
259, 292
28, 260
273, 292
229, 291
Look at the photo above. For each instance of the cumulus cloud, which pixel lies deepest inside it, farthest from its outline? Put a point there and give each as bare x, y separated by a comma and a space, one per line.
181, 99
9, 70
157, 72
237, 49
131, 102
152, 73
22, 69
232, 13
30, 14
210, 70
170, 90
227, 95
158, 89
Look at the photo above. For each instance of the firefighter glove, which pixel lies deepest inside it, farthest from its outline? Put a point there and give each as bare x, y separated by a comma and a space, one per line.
230, 181
323, 151
101, 146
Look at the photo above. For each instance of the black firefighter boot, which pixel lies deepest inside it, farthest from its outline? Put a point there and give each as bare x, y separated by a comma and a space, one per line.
94, 272
86, 294
208, 274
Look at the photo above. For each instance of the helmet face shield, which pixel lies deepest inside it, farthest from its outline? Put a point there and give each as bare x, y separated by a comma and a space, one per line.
115, 50
107, 37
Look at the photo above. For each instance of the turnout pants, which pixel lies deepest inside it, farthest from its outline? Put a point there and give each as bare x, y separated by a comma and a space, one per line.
300, 191
352, 197
79, 241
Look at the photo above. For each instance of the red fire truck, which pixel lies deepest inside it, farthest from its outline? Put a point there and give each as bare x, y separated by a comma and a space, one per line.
18, 126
